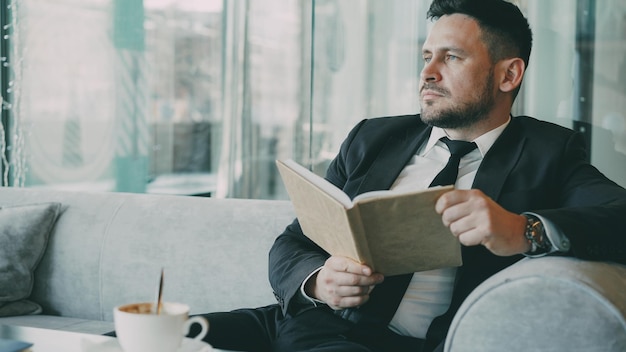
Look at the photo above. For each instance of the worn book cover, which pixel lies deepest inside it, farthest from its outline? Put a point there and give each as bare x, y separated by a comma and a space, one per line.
9, 345
393, 232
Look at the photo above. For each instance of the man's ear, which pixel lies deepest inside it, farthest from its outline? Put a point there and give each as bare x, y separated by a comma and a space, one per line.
513, 72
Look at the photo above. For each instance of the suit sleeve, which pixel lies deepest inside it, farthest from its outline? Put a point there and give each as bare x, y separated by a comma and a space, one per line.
293, 256
592, 214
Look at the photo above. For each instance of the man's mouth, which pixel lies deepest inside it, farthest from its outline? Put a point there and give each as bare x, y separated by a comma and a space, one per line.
428, 92
431, 95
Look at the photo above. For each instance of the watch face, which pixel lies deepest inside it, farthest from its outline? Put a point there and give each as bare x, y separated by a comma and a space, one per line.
539, 243
537, 227
539, 235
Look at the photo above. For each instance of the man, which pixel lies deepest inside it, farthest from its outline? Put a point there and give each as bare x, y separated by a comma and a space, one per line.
525, 189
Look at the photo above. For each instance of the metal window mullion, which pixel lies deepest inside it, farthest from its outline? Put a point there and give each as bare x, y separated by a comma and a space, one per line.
5, 118
585, 50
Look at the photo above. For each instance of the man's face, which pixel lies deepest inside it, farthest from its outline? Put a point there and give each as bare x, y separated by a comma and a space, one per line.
457, 82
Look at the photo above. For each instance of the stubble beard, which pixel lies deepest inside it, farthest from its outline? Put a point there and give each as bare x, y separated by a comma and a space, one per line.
461, 115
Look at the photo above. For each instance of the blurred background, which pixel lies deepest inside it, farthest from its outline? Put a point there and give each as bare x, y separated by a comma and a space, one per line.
199, 97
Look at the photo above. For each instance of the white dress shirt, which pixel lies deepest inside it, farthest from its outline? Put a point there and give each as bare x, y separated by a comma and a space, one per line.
429, 292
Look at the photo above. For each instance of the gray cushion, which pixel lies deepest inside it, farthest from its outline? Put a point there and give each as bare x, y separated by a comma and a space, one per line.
545, 304
24, 232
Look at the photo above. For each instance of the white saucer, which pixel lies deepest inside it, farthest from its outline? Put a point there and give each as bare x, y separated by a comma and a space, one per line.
188, 345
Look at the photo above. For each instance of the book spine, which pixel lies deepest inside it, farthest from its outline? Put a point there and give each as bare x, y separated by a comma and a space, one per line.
358, 234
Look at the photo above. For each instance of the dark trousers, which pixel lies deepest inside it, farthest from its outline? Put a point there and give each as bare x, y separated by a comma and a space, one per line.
318, 329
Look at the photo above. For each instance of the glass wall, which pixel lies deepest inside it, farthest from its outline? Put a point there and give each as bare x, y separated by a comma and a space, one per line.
367, 63
198, 97
154, 96
577, 73
367, 60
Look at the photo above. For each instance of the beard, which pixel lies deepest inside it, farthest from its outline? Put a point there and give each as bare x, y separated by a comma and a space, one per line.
463, 114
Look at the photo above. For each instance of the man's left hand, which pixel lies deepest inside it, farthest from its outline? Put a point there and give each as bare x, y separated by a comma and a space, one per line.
476, 219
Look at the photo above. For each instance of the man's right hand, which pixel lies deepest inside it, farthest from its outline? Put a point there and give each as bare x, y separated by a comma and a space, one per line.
342, 283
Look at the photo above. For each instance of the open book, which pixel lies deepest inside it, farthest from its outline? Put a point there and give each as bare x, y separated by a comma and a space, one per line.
392, 232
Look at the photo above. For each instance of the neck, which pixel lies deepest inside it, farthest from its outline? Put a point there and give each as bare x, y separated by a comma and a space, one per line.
476, 130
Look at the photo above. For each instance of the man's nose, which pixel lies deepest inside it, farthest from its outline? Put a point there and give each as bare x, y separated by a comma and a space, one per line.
430, 73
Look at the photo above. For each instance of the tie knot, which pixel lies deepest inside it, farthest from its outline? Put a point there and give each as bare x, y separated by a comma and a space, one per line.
459, 148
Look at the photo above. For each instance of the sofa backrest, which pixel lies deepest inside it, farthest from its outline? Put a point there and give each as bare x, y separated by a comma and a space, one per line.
108, 249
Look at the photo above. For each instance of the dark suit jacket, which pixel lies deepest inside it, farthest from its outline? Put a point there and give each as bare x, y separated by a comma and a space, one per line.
533, 166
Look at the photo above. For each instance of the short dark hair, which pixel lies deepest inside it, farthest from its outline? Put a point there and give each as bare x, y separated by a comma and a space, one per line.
506, 31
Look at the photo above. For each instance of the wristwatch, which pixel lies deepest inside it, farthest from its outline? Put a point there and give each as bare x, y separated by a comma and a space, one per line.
536, 236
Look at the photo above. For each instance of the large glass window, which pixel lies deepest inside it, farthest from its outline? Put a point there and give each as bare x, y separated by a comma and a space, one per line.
156, 96
367, 64
115, 95
576, 75
198, 97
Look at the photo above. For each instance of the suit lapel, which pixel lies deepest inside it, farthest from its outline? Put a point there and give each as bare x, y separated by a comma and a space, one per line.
393, 157
399, 149
500, 160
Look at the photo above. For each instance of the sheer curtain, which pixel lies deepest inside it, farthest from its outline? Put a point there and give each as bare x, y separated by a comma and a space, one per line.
264, 99
366, 64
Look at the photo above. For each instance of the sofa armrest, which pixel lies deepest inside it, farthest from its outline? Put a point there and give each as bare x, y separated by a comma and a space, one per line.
545, 304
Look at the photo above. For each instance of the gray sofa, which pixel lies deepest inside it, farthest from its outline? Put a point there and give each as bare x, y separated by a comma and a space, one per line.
107, 249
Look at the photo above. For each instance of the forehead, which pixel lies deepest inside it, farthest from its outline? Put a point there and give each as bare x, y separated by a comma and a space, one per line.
454, 31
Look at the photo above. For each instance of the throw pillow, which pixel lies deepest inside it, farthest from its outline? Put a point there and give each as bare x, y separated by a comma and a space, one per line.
24, 232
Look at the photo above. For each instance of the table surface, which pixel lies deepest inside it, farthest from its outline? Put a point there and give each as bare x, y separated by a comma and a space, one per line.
47, 340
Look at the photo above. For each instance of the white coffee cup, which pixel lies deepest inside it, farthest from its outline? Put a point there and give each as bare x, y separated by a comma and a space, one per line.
140, 329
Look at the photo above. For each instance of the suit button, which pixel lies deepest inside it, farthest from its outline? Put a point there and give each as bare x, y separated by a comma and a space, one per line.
278, 298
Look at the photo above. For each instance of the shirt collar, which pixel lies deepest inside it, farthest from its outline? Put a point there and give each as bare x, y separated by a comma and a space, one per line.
484, 142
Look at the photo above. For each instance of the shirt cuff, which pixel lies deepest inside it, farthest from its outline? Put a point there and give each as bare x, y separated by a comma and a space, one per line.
560, 242
306, 298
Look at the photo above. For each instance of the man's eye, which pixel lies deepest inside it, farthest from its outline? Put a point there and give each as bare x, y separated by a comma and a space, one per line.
427, 59
451, 57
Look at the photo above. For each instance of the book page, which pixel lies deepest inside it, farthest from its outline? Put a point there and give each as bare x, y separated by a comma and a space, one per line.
318, 181
394, 193
324, 219
406, 234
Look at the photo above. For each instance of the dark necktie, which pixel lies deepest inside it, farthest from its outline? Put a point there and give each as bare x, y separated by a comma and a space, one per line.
386, 298
458, 149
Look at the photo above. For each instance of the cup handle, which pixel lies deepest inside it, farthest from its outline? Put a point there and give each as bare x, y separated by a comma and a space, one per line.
199, 320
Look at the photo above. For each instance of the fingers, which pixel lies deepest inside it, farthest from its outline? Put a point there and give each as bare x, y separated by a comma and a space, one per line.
469, 215
475, 219
347, 272
471, 238
342, 264
344, 283
457, 197
456, 206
